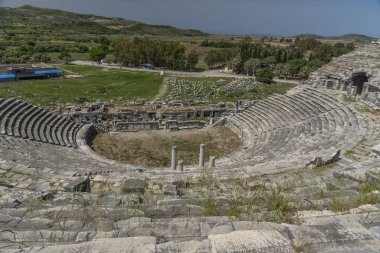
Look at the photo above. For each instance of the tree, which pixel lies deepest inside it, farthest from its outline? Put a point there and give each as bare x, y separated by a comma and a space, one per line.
268, 61
264, 75
245, 46
159, 53
212, 58
315, 64
305, 72
295, 66
192, 59
220, 57
236, 64
41, 58
281, 70
98, 53
66, 57
104, 41
251, 65
110, 59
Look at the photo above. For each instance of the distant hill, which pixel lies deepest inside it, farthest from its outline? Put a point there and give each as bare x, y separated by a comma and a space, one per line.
347, 37
353, 37
57, 21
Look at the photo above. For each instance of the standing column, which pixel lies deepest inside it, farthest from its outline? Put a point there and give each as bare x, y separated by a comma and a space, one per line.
202, 155
174, 158
180, 165
212, 162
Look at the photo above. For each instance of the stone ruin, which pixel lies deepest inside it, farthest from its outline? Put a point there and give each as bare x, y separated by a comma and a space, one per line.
357, 73
319, 162
155, 119
57, 195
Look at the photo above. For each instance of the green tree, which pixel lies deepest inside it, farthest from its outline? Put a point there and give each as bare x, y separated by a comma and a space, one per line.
192, 59
251, 65
98, 53
295, 66
66, 57
103, 40
236, 64
281, 70
268, 61
110, 59
245, 46
264, 75
315, 64
305, 72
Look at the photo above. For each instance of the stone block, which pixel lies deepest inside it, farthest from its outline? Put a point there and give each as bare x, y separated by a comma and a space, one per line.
254, 241
134, 185
114, 245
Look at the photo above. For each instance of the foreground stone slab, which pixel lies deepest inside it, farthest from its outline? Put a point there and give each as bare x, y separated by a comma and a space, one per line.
330, 234
184, 247
250, 242
116, 245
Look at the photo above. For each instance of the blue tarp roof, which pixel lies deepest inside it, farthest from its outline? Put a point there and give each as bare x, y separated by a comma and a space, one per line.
48, 71
7, 76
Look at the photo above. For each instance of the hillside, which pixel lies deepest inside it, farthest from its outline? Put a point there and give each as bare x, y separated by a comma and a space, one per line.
32, 20
346, 37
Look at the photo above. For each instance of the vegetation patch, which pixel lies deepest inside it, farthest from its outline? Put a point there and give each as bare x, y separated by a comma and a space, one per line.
223, 89
95, 84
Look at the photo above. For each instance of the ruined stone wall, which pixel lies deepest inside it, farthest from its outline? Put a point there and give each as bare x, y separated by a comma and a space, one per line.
137, 126
357, 73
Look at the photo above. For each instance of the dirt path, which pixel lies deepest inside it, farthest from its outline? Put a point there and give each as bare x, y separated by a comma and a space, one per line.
208, 73
164, 89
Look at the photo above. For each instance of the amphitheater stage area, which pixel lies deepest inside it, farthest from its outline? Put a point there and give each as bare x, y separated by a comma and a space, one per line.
153, 148
304, 178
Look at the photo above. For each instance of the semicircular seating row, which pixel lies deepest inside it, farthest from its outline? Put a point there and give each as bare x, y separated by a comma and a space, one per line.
285, 126
32, 137
23, 120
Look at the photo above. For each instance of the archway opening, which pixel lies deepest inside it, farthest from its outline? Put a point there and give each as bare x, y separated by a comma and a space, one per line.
358, 80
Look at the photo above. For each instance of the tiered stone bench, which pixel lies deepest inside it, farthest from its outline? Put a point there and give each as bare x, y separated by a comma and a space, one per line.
306, 123
20, 119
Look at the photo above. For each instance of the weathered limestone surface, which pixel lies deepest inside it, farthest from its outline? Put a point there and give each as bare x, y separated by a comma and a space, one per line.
250, 241
125, 245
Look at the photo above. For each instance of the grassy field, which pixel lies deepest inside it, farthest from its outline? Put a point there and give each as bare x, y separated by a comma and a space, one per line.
95, 84
153, 148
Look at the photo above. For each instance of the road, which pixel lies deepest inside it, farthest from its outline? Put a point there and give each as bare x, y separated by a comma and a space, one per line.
208, 73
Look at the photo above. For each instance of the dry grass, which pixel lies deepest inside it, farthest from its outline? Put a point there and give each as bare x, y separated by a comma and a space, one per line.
153, 148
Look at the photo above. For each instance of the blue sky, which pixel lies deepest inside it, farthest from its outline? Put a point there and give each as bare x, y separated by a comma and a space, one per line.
262, 17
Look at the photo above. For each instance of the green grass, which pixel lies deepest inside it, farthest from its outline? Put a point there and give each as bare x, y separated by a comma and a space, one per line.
96, 84
262, 92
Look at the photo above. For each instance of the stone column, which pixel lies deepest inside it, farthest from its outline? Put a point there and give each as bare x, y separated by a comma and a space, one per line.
365, 88
180, 165
174, 158
202, 155
354, 91
211, 163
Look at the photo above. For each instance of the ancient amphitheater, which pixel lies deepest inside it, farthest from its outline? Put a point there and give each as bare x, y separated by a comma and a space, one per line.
305, 179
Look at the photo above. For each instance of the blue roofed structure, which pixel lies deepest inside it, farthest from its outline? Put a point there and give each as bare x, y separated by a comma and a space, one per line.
9, 73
